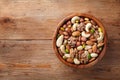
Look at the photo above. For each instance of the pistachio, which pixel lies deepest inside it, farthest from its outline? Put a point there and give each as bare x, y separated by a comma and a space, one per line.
99, 29
89, 56
66, 50
94, 55
92, 30
67, 47
59, 41
83, 45
62, 29
77, 21
76, 33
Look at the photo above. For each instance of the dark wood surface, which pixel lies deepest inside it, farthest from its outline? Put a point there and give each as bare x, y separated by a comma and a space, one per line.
26, 31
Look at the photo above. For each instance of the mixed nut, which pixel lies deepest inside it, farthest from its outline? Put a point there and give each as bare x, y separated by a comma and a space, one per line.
80, 40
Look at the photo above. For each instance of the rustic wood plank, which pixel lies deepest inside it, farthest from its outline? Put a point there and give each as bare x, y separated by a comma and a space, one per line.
26, 30
38, 19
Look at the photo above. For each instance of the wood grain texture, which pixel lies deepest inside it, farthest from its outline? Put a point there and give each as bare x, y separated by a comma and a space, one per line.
26, 31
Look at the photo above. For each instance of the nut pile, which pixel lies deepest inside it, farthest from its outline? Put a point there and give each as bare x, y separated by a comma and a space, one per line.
80, 40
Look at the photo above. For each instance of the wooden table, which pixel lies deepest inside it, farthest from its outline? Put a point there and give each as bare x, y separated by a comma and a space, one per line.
26, 30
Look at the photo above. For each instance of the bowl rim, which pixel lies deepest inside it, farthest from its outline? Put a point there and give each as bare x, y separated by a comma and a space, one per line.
81, 65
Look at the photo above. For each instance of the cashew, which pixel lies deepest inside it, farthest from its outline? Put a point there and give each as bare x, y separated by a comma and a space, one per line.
75, 26
87, 27
74, 19
101, 37
79, 48
62, 48
94, 55
85, 34
67, 55
76, 61
88, 47
59, 41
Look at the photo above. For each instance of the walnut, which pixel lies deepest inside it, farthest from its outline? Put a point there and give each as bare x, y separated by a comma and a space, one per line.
72, 41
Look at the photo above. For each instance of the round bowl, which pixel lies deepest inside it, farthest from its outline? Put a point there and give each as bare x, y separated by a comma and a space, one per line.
81, 65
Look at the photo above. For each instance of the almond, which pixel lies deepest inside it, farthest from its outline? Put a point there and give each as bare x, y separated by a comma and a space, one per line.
90, 50
70, 60
60, 32
83, 39
65, 33
92, 59
100, 44
76, 33
93, 39
94, 48
78, 43
89, 42
68, 29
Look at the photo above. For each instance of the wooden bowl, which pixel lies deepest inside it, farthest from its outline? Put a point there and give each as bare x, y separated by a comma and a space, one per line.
81, 65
